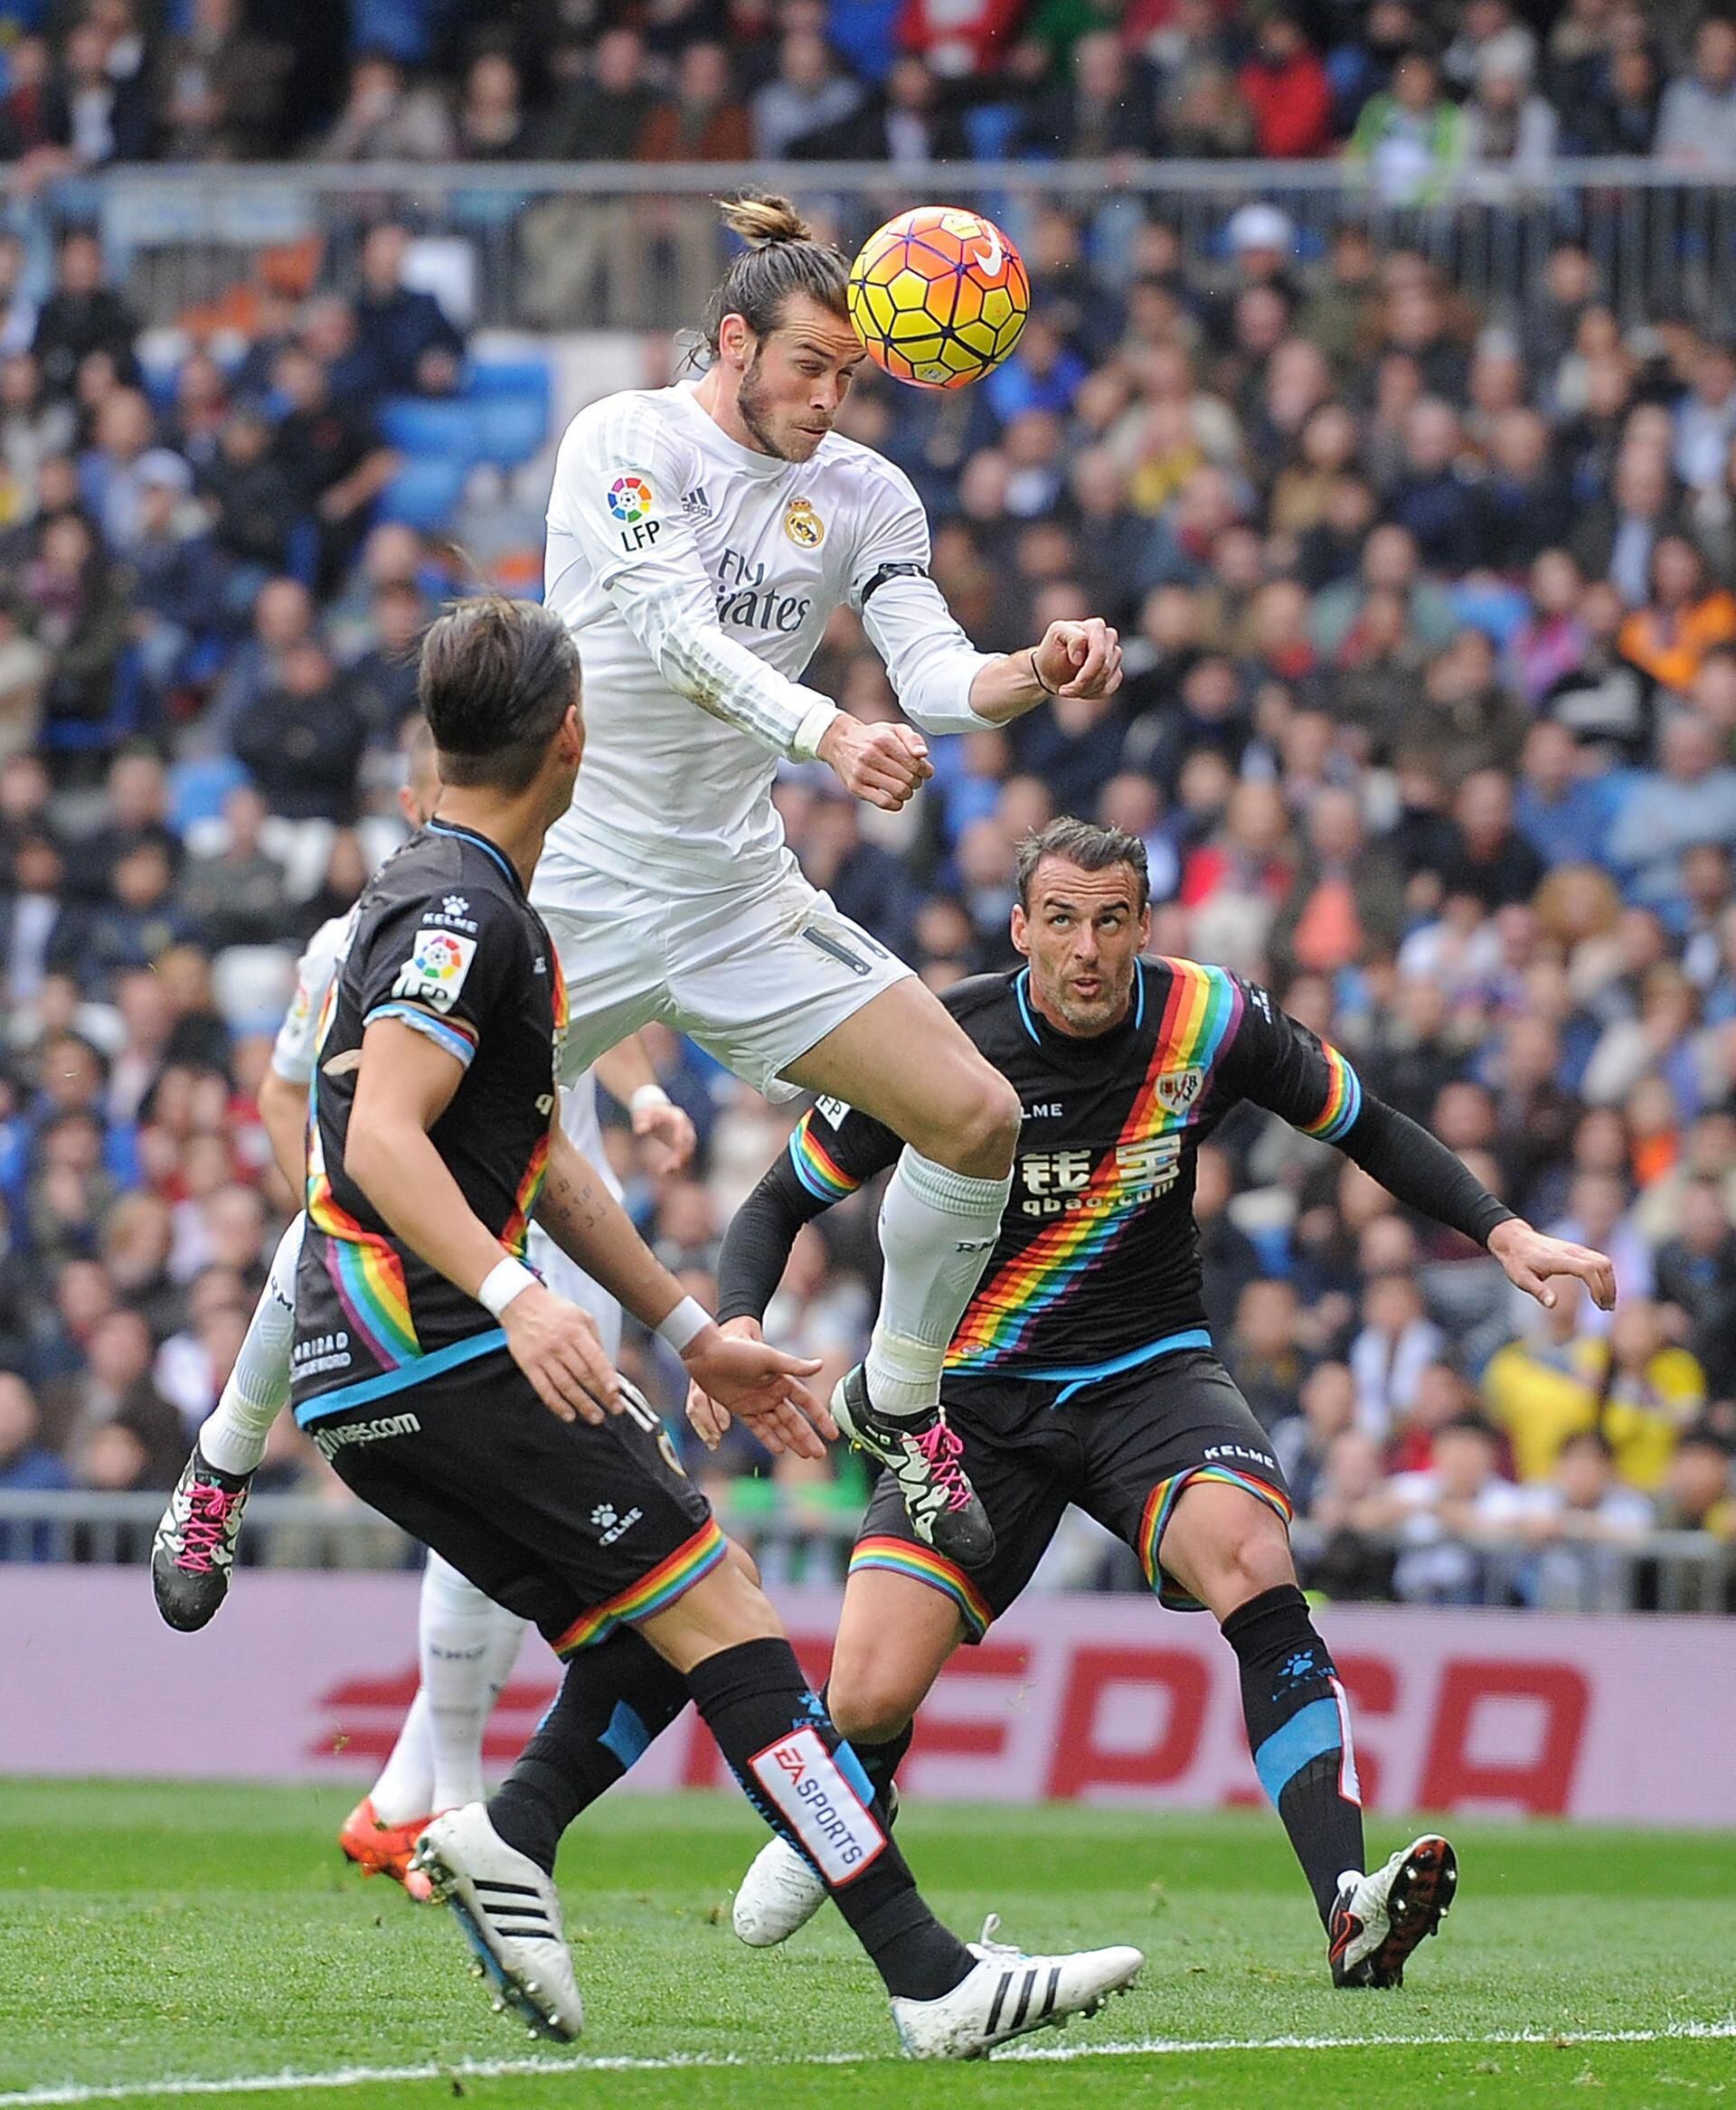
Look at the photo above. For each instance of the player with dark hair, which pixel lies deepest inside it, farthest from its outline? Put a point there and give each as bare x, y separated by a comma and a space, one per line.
473, 1406
699, 539
1083, 1371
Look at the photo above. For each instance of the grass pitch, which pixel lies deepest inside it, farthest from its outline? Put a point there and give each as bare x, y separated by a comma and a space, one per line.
155, 1940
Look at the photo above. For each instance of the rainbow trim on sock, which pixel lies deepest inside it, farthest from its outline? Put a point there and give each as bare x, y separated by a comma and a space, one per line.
1343, 1099
1201, 1013
1161, 1499
815, 1168
653, 1593
922, 1564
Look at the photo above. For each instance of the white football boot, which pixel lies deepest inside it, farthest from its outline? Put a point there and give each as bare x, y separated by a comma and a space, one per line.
1379, 1918
1009, 1995
508, 1912
780, 1893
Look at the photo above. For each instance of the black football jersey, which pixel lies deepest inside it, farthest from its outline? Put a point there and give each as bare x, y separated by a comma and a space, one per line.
1098, 1256
444, 941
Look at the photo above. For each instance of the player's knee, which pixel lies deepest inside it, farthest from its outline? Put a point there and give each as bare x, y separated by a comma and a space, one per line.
869, 1699
873, 1713
1255, 1558
984, 1127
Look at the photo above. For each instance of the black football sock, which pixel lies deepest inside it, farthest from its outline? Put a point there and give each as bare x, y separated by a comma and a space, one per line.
880, 1762
805, 1781
1298, 1730
615, 1699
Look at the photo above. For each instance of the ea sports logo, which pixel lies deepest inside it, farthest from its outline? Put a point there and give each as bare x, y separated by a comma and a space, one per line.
630, 498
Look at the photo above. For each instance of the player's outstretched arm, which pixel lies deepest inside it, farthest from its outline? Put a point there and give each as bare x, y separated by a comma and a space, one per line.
757, 1384
405, 1083
1277, 1062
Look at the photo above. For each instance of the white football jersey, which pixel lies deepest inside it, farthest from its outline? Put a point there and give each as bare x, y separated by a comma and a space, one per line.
698, 576
292, 1054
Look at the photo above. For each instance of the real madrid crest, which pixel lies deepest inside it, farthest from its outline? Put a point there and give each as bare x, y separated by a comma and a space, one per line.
803, 525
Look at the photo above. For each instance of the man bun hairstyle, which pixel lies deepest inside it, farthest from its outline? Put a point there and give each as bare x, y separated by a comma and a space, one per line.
1089, 847
497, 676
783, 258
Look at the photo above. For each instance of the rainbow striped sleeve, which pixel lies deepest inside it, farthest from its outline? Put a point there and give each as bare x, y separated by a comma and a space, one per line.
818, 1171
922, 1564
1343, 1099
456, 1036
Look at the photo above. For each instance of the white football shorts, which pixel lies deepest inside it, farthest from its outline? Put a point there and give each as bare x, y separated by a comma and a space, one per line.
756, 974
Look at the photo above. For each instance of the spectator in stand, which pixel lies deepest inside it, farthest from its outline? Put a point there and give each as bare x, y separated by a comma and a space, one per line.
90, 114
387, 118
1288, 91
331, 458
1103, 106
492, 124
1696, 1275
1697, 124
810, 94
82, 316
1684, 617
303, 740
908, 119
959, 38
27, 1465
284, 616
236, 895
226, 88
253, 505
1441, 1512
404, 334
1411, 138
1697, 1495
81, 616
1690, 797
703, 119
1507, 126
1396, 1340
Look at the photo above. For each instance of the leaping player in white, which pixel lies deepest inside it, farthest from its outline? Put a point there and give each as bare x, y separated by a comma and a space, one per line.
699, 538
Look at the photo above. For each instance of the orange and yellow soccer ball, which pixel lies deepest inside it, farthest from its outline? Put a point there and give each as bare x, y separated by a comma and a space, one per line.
939, 297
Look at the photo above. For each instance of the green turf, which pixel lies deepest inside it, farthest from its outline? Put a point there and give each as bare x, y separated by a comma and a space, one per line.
157, 1933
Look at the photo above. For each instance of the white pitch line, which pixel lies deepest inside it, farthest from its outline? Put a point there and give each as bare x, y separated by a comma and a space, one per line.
355, 2077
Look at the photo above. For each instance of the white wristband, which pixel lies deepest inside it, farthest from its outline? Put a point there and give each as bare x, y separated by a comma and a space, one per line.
648, 1095
502, 1283
685, 1323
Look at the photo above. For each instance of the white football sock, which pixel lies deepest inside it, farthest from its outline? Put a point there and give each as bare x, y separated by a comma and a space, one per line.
258, 1389
405, 1788
937, 1230
459, 1646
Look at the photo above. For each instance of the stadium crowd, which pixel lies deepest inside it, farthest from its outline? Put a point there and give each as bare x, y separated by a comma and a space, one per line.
1416, 90
1429, 724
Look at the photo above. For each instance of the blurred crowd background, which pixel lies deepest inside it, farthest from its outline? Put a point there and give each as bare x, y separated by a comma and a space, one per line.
1429, 599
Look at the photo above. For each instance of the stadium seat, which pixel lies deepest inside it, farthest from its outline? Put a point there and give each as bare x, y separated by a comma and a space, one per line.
508, 430
197, 789
426, 492
436, 427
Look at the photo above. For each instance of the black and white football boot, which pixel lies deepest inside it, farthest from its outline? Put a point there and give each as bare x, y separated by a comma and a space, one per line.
192, 1555
508, 1911
925, 1457
1009, 1994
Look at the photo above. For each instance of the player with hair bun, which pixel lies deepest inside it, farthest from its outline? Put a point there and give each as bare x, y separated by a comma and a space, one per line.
699, 539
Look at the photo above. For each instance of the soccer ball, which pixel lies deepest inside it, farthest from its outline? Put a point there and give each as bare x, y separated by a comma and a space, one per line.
939, 297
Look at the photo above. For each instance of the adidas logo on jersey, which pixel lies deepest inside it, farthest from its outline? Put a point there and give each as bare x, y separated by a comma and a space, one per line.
696, 505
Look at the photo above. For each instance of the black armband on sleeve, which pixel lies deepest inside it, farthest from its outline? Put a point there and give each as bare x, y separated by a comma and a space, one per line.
756, 1247
887, 571
1420, 1170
